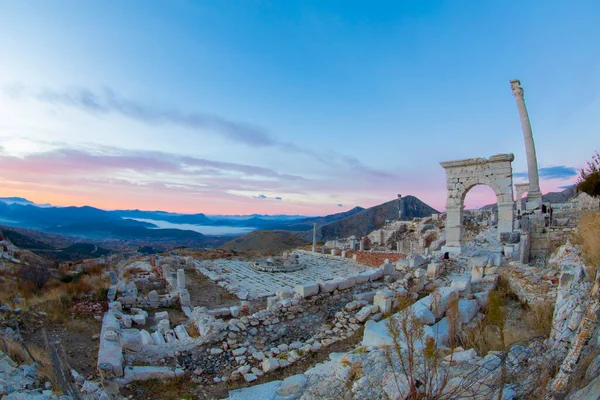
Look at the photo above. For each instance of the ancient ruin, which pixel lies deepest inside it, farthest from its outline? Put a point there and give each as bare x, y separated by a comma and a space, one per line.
461, 176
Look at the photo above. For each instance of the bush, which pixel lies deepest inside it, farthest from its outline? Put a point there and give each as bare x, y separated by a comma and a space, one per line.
38, 275
589, 177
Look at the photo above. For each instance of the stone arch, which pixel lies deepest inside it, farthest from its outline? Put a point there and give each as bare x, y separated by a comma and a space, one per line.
521, 189
461, 176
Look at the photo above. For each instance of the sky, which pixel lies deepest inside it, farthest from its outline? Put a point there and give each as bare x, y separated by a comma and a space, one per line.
287, 107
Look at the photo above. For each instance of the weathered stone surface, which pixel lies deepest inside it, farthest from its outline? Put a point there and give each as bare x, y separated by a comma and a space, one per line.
270, 364
292, 387
131, 339
307, 289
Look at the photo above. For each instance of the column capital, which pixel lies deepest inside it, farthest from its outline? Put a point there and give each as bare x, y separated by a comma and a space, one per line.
517, 90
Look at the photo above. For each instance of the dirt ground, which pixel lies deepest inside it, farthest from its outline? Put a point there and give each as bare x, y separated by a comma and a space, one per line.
205, 293
76, 339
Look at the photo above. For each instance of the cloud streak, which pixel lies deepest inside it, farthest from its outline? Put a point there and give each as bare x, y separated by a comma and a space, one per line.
108, 102
561, 172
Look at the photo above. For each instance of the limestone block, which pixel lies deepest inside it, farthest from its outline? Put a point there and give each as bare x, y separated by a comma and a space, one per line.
146, 338
131, 339
139, 319
477, 273
307, 289
333, 252
180, 279
111, 294
365, 296
270, 364
181, 333
415, 261
362, 277
285, 294
384, 300
467, 309
462, 284
347, 283
376, 275
387, 269
154, 299
163, 326
184, 298
423, 313
343, 255
161, 315
292, 387
434, 270
364, 313
115, 306
479, 261
328, 286
420, 272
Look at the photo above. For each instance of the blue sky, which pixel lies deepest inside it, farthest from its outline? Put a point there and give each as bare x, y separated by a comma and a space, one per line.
286, 106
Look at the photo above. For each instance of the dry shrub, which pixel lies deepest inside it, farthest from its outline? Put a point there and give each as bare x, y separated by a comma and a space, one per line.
538, 317
132, 272
588, 237
95, 269
177, 317
192, 330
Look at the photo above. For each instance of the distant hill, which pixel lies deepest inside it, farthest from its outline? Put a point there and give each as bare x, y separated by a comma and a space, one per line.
265, 242
550, 197
74, 252
372, 218
357, 222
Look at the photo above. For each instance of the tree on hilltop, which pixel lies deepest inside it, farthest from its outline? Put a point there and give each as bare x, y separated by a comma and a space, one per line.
589, 177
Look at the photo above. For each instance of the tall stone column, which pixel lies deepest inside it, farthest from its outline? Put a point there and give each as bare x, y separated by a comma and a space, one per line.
314, 245
534, 196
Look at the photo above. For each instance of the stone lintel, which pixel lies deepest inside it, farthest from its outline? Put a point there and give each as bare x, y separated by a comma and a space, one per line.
478, 161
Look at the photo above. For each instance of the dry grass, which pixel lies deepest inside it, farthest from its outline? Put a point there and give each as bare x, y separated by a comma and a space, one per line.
132, 272
177, 317
588, 238
18, 353
192, 330
538, 318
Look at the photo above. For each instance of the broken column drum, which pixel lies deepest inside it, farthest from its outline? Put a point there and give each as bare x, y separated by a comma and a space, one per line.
461, 176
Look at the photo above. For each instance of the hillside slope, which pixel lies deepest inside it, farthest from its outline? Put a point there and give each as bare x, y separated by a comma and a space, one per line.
374, 218
265, 242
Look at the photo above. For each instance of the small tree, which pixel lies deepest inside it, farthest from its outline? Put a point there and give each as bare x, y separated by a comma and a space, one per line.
36, 274
589, 177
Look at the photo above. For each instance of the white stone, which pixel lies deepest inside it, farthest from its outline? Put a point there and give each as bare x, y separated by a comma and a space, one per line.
347, 283
307, 289
270, 364
467, 309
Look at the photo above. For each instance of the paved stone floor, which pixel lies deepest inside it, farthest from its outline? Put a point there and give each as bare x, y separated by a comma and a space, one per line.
240, 277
